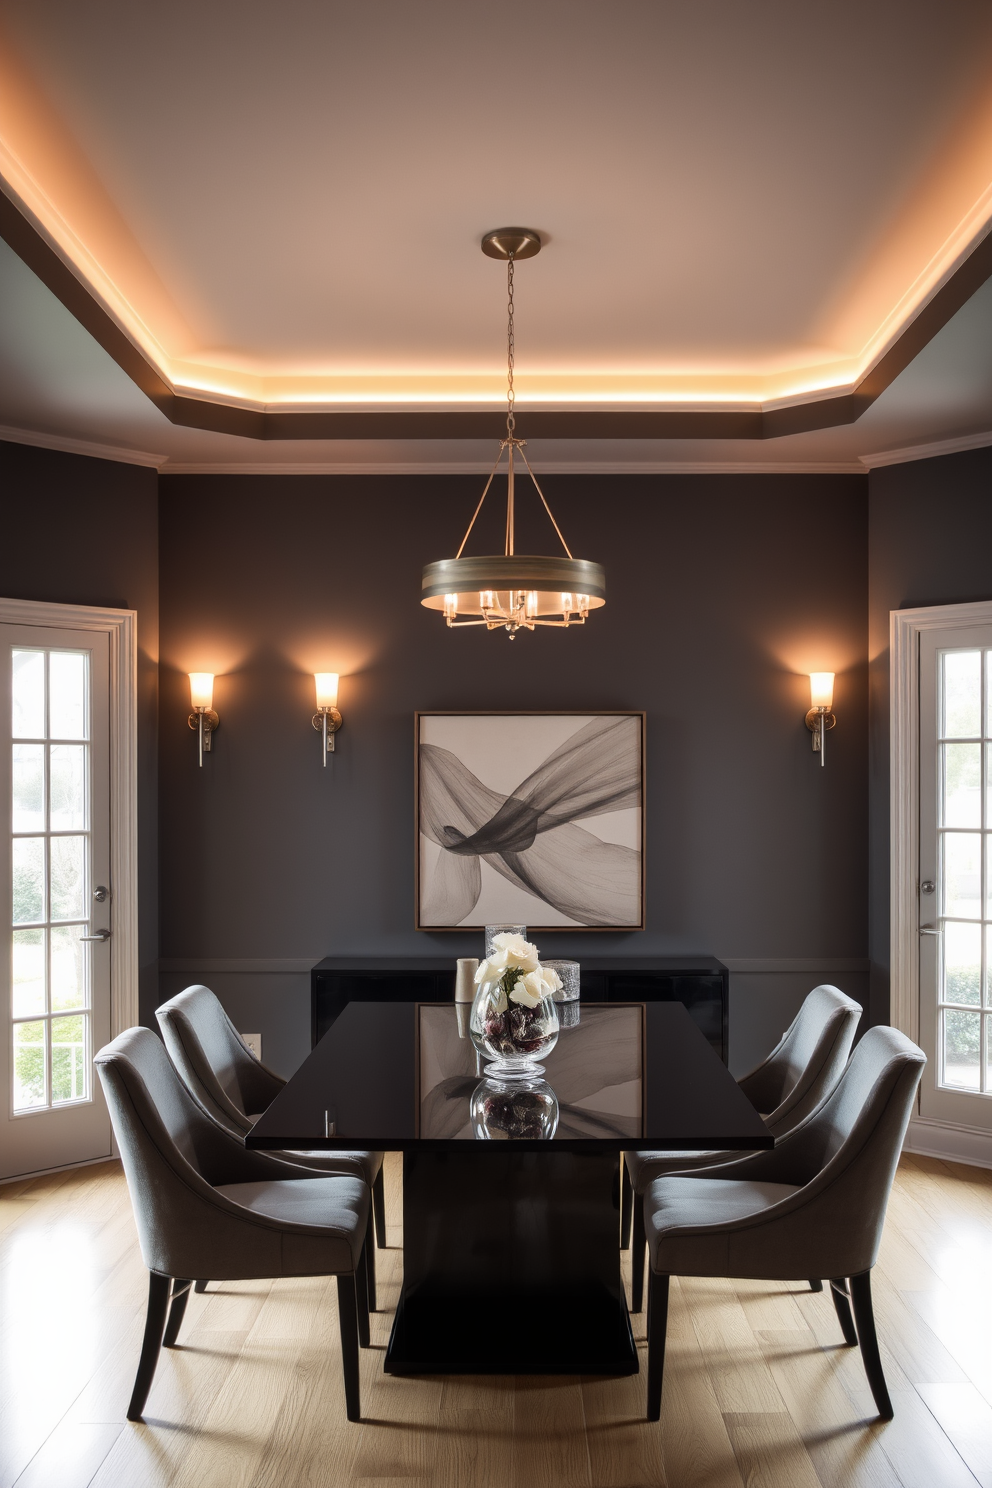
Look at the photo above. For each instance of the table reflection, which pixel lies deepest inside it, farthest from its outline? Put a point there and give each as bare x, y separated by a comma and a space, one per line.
594, 1081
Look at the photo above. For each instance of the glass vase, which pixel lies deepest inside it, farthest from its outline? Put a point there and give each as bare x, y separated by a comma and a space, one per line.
514, 1111
512, 1037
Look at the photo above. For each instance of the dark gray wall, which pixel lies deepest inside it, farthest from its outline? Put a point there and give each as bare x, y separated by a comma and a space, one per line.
85, 531
930, 543
723, 593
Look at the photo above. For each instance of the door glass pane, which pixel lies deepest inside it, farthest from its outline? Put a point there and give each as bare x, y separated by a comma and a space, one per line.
962, 1050
67, 695
962, 695
29, 879
69, 961
961, 791
29, 1065
69, 1062
962, 962
28, 804
68, 787
28, 691
962, 875
68, 877
28, 972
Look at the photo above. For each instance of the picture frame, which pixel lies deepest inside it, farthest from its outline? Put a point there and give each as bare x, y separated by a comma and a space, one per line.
529, 817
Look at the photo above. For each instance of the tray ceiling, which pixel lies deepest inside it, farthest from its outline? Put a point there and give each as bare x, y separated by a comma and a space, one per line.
744, 206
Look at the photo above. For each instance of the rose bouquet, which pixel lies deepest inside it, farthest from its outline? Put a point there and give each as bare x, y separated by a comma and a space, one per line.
514, 1016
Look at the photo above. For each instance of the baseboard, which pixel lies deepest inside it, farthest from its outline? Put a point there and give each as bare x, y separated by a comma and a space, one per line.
89, 1162
961, 1144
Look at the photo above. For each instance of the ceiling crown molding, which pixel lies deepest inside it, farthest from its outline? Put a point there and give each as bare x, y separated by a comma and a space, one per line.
29, 241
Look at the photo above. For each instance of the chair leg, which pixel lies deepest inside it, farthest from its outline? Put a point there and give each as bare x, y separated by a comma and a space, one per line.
638, 1246
362, 1295
864, 1316
180, 1296
348, 1319
158, 1306
842, 1307
369, 1253
816, 1286
657, 1329
627, 1200
201, 1286
379, 1209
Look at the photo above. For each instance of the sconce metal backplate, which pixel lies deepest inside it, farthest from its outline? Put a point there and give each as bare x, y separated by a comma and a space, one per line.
333, 721
815, 720
210, 720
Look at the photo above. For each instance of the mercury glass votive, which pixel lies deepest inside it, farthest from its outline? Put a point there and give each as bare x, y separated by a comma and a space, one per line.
569, 976
493, 930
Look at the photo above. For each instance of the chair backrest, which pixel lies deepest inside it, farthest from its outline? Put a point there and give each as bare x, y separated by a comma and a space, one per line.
170, 1148
846, 1153
807, 1062
214, 1064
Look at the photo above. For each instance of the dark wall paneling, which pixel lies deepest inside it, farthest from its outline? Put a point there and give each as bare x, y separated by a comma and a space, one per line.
83, 531
930, 541
723, 592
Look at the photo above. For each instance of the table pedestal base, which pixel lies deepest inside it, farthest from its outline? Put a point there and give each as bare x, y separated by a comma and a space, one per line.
511, 1264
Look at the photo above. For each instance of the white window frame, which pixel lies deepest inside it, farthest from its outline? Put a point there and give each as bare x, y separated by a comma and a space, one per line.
121, 628
933, 1138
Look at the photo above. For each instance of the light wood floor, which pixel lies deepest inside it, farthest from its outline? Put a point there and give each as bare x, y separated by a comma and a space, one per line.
759, 1392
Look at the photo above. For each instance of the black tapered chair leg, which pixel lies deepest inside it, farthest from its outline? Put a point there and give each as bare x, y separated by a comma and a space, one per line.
348, 1320
158, 1306
369, 1253
201, 1286
864, 1317
657, 1330
362, 1294
638, 1246
842, 1307
180, 1296
816, 1285
379, 1209
627, 1199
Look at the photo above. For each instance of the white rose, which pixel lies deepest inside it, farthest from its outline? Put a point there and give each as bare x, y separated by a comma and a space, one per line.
518, 952
551, 980
492, 969
529, 990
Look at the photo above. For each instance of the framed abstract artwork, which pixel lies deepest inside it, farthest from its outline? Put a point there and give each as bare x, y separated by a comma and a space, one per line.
534, 819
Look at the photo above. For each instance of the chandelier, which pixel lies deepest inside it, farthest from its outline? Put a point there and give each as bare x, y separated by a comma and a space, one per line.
511, 590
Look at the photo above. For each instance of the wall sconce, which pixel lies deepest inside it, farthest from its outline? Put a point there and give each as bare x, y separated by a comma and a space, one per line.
327, 719
819, 718
203, 719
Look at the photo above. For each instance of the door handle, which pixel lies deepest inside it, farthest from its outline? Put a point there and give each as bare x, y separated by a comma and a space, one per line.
97, 935
928, 930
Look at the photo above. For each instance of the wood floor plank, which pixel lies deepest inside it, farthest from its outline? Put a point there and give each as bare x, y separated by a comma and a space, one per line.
624, 1447
966, 1418
734, 1359
70, 1456
549, 1441
769, 1451
696, 1449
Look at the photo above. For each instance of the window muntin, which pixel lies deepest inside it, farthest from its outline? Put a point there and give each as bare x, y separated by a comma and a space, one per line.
51, 859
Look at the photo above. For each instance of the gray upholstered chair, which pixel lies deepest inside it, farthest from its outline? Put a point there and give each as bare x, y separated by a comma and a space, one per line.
797, 1075
813, 1206
205, 1206
221, 1072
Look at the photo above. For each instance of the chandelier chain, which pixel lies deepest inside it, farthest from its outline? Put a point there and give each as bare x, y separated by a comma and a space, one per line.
511, 422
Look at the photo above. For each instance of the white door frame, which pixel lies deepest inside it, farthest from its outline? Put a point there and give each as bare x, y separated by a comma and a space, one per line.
121, 628
932, 1138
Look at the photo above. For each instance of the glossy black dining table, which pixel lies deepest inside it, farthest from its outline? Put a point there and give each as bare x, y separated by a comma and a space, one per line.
511, 1193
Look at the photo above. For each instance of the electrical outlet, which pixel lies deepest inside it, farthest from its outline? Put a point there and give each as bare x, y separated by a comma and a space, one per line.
254, 1042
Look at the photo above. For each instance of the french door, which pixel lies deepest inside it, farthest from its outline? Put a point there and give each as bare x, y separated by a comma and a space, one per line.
56, 894
955, 874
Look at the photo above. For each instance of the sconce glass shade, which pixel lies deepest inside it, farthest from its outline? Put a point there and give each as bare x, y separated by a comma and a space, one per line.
821, 689
201, 689
326, 684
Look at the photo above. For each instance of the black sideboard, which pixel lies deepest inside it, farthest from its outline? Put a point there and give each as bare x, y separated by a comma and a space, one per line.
700, 983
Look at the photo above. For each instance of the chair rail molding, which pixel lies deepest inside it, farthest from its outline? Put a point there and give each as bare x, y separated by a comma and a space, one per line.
121, 628
905, 630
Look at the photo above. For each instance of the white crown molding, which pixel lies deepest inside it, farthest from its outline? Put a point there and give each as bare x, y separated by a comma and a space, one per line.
927, 451
542, 467
81, 447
